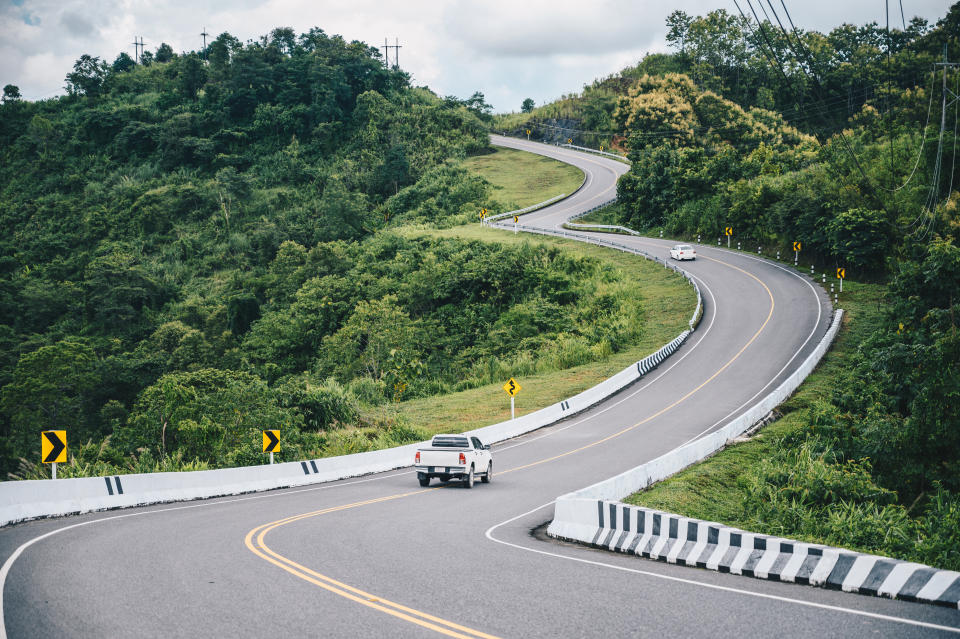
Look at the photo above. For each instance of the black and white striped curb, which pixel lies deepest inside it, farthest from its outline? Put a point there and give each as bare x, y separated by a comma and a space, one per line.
675, 539
650, 362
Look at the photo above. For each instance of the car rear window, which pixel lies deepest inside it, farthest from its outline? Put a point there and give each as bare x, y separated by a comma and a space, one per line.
685, 247
450, 442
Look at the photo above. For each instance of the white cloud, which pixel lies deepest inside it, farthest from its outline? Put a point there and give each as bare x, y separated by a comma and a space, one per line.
509, 50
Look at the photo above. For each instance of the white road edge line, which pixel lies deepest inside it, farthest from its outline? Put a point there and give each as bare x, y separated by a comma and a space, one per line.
795, 355
8, 564
692, 582
660, 373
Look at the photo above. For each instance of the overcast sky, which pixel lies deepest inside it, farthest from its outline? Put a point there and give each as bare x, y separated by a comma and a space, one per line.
508, 49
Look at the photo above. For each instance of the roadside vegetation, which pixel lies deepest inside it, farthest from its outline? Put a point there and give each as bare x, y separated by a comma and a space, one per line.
522, 179
630, 290
206, 245
867, 455
811, 142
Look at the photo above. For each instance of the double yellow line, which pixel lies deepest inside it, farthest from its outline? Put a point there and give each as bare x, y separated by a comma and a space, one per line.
255, 538
679, 401
255, 542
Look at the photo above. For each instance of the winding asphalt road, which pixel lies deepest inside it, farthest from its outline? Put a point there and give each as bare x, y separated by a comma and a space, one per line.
379, 556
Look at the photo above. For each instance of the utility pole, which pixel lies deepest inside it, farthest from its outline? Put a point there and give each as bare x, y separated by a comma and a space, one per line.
946, 65
396, 52
204, 34
137, 49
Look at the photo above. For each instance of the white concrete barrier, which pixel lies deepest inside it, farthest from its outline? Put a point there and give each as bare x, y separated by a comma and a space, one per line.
662, 467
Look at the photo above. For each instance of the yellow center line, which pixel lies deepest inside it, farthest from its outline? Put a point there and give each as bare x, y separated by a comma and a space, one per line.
254, 539
674, 404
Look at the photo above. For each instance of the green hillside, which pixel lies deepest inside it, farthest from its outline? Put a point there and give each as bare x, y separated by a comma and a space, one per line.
162, 217
206, 245
847, 143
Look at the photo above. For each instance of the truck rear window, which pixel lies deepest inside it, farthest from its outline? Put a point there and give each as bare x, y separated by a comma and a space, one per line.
450, 442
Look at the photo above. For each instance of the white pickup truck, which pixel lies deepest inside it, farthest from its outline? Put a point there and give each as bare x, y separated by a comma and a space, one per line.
454, 456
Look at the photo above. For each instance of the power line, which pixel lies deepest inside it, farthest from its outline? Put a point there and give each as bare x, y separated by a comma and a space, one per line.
819, 92
928, 213
886, 4
923, 137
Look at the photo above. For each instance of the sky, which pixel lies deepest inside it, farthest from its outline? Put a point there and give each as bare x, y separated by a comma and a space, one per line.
508, 49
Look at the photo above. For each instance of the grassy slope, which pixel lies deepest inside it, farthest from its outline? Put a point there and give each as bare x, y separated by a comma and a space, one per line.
711, 490
668, 304
522, 179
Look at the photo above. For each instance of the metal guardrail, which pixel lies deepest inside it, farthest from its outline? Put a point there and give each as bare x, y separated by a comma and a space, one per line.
586, 149
528, 209
605, 227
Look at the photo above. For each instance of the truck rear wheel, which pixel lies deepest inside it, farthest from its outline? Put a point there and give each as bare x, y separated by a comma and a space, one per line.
423, 479
486, 478
468, 482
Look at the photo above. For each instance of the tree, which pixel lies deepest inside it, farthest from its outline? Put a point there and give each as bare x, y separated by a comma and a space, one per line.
117, 291
342, 211
678, 23
123, 63
50, 390
87, 76
11, 93
284, 39
527, 105
222, 49
164, 53
373, 340
191, 75
860, 237
394, 172
209, 414
478, 104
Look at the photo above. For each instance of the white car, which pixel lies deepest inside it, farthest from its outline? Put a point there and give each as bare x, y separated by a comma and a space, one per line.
683, 252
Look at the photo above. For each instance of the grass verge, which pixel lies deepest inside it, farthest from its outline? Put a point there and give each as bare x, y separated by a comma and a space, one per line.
607, 215
668, 302
712, 490
522, 179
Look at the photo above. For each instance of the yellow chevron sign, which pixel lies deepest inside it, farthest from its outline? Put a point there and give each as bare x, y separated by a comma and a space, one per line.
271, 441
53, 446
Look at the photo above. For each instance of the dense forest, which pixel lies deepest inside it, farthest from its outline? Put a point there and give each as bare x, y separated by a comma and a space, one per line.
204, 245
784, 135
846, 142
